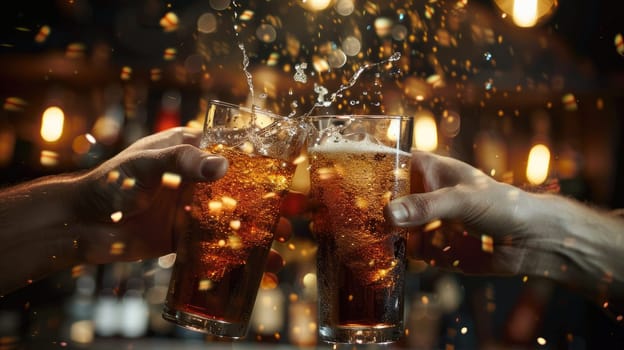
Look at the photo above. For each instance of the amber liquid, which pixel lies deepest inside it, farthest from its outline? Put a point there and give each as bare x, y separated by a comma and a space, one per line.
221, 256
361, 259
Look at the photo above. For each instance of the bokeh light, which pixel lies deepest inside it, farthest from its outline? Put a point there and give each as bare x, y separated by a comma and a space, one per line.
315, 5
219, 4
52, 122
266, 33
425, 132
527, 13
345, 7
538, 164
207, 23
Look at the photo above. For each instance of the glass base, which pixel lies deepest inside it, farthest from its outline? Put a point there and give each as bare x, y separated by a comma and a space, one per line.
198, 323
360, 334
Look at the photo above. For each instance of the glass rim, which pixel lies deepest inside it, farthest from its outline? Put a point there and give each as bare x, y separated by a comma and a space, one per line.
359, 116
252, 110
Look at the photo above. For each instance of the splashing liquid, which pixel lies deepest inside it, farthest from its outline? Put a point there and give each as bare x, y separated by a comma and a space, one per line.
300, 76
241, 46
322, 92
321, 100
247, 73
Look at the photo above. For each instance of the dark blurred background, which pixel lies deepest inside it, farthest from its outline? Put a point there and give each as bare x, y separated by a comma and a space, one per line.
120, 69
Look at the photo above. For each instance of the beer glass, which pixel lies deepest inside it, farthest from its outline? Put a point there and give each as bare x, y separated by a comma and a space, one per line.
358, 163
222, 253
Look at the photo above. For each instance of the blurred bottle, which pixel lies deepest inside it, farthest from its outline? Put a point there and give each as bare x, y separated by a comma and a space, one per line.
121, 308
157, 284
79, 326
106, 311
134, 309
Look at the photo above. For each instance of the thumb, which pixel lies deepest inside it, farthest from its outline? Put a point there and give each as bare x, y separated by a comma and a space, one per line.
189, 162
422, 208
193, 164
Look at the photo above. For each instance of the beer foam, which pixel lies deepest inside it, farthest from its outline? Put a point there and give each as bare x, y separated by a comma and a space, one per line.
350, 146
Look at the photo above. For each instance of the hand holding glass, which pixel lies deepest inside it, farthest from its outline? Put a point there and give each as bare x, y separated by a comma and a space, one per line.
220, 257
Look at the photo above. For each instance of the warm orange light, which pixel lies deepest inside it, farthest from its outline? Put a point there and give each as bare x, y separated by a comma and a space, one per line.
538, 164
524, 13
7, 144
527, 13
425, 133
301, 178
394, 130
48, 158
52, 122
315, 5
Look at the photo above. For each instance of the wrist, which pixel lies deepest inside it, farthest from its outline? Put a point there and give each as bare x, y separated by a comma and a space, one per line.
67, 228
540, 235
575, 245
39, 230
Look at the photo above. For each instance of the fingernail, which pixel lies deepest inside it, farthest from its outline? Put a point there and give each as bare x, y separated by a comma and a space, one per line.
213, 167
398, 212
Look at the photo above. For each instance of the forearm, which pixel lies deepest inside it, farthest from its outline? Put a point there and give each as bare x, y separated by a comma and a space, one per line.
38, 230
579, 246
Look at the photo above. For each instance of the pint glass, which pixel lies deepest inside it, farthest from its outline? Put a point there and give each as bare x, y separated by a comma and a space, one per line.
357, 165
221, 256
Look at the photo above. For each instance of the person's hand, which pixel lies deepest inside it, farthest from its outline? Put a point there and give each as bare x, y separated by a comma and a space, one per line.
128, 209
132, 211
465, 220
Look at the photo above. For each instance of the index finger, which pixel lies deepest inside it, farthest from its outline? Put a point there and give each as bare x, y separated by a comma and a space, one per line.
432, 171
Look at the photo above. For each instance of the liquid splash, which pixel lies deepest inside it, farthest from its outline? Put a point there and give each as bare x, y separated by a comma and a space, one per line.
300, 76
322, 101
241, 46
247, 73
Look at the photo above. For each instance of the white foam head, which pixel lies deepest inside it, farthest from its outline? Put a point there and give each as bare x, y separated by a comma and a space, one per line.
343, 145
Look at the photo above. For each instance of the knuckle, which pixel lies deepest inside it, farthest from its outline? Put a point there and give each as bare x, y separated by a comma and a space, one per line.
419, 207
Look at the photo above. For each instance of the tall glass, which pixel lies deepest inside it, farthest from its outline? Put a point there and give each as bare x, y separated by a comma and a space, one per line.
221, 256
357, 165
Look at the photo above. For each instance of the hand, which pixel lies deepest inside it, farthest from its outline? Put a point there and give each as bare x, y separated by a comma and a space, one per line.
468, 221
121, 210
131, 185
126, 210
488, 227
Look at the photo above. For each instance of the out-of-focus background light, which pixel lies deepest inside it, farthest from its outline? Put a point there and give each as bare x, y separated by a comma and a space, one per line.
315, 5
7, 144
425, 132
538, 164
393, 130
527, 13
52, 122
345, 7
